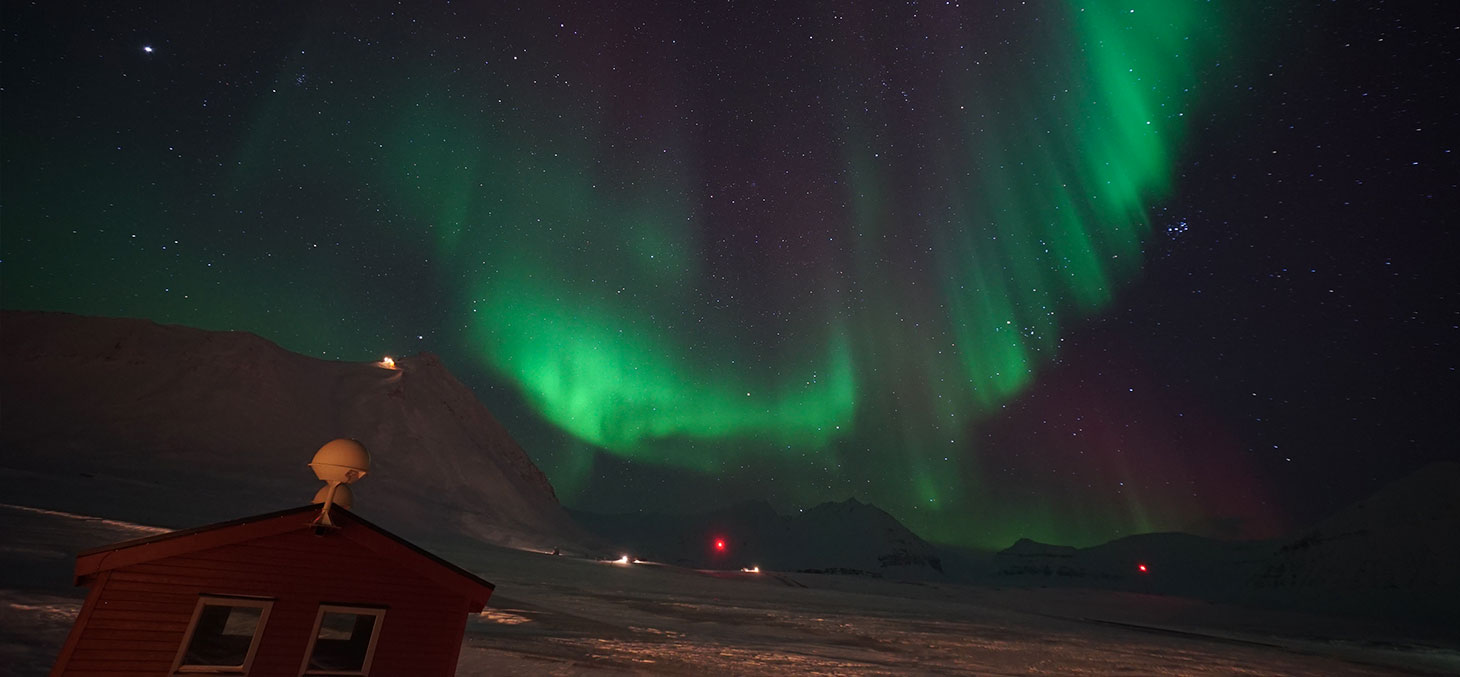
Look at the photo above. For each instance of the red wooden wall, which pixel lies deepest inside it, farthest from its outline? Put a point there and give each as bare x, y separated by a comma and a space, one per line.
135, 616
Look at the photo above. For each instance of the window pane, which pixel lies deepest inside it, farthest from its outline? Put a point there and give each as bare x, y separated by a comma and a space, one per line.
222, 635
343, 640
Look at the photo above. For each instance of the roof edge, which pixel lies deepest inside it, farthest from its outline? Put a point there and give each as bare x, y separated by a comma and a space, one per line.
113, 556
183, 533
428, 555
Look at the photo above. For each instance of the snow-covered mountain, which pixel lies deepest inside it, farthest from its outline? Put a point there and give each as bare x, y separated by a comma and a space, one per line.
848, 537
171, 425
1398, 550
1167, 563
1394, 555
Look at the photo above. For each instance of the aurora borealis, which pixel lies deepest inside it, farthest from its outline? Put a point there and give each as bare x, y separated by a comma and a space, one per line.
1002, 269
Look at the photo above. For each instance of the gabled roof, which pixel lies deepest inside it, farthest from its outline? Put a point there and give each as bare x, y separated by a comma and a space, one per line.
347, 524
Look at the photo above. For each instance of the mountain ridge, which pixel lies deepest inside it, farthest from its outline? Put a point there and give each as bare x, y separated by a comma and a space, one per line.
227, 421
835, 537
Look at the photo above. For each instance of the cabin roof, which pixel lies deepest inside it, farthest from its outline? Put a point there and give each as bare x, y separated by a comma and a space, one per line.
347, 524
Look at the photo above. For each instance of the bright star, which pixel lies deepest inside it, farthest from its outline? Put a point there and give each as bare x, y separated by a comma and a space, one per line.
147, 48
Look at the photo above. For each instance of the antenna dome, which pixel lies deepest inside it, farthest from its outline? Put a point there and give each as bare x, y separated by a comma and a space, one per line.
342, 460
342, 496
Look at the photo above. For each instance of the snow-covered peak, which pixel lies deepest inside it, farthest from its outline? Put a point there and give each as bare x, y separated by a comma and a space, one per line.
181, 426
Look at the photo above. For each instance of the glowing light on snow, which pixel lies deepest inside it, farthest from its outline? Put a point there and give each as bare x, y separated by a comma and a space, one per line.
388, 362
623, 560
751, 570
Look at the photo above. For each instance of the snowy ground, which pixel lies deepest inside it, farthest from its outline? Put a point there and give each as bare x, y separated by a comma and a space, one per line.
569, 617
564, 616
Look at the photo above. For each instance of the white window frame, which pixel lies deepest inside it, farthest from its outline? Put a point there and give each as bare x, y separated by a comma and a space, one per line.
264, 603
376, 611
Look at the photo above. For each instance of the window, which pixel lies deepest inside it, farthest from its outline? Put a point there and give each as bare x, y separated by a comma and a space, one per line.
223, 635
343, 640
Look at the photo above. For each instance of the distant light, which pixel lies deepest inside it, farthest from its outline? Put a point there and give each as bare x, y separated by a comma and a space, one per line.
752, 570
1142, 568
388, 362
623, 560
720, 544
147, 48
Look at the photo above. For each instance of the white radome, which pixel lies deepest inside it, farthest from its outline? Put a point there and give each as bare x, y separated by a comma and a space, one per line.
344, 495
341, 461
338, 463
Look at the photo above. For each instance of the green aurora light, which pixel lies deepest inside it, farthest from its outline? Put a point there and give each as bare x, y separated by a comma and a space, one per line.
1047, 219
924, 290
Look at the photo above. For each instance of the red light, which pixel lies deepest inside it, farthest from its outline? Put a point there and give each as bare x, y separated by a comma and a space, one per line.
1141, 568
720, 544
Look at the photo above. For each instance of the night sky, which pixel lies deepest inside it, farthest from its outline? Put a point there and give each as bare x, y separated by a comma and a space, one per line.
1068, 270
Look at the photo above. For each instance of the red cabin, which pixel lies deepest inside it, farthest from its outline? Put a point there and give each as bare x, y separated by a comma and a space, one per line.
271, 595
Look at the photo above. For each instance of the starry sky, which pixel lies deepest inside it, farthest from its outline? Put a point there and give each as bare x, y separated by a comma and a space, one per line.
1067, 270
